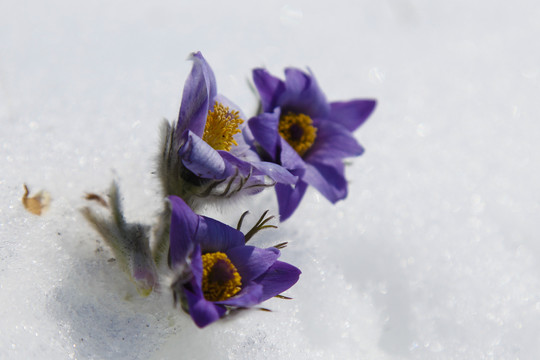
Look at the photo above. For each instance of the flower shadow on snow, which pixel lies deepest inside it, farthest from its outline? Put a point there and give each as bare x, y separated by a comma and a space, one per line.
91, 312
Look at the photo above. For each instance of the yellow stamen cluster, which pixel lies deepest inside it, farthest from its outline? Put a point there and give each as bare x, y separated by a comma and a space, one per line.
221, 125
220, 278
298, 131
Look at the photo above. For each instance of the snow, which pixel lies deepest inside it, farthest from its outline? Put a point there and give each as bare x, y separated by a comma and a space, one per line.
434, 254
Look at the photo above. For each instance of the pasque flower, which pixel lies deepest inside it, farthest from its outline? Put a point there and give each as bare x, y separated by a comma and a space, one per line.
216, 270
204, 153
300, 130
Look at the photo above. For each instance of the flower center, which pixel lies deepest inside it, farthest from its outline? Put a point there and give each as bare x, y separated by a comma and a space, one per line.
298, 131
220, 279
221, 125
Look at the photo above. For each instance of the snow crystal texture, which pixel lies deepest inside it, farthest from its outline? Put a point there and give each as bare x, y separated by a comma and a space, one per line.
435, 253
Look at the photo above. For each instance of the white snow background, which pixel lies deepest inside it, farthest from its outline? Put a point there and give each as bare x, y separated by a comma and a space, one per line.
435, 254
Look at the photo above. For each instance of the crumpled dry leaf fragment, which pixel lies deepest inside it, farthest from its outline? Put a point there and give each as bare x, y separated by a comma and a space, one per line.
37, 204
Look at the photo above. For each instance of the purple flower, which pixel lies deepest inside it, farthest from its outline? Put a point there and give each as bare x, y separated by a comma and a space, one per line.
217, 270
300, 130
205, 153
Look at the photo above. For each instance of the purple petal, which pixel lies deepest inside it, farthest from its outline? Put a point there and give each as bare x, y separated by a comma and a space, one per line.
196, 267
265, 130
269, 88
251, 261
303, 95
249, 296
296, 80
202, 311
333, 142
215, 236
280, 277
275, 172
234, 162
351, 114
247, 136
201, 159
199, 90
289, 198
243, 151
184, 225
328, 179
290, 159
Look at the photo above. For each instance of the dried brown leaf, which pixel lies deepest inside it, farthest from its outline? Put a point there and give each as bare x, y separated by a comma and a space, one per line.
96, 197
37, 204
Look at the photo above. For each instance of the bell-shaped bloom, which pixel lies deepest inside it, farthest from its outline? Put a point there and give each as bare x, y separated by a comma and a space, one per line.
303, 132
205, 153
217, 270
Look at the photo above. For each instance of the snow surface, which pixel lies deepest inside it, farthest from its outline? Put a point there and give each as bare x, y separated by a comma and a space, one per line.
434, 255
